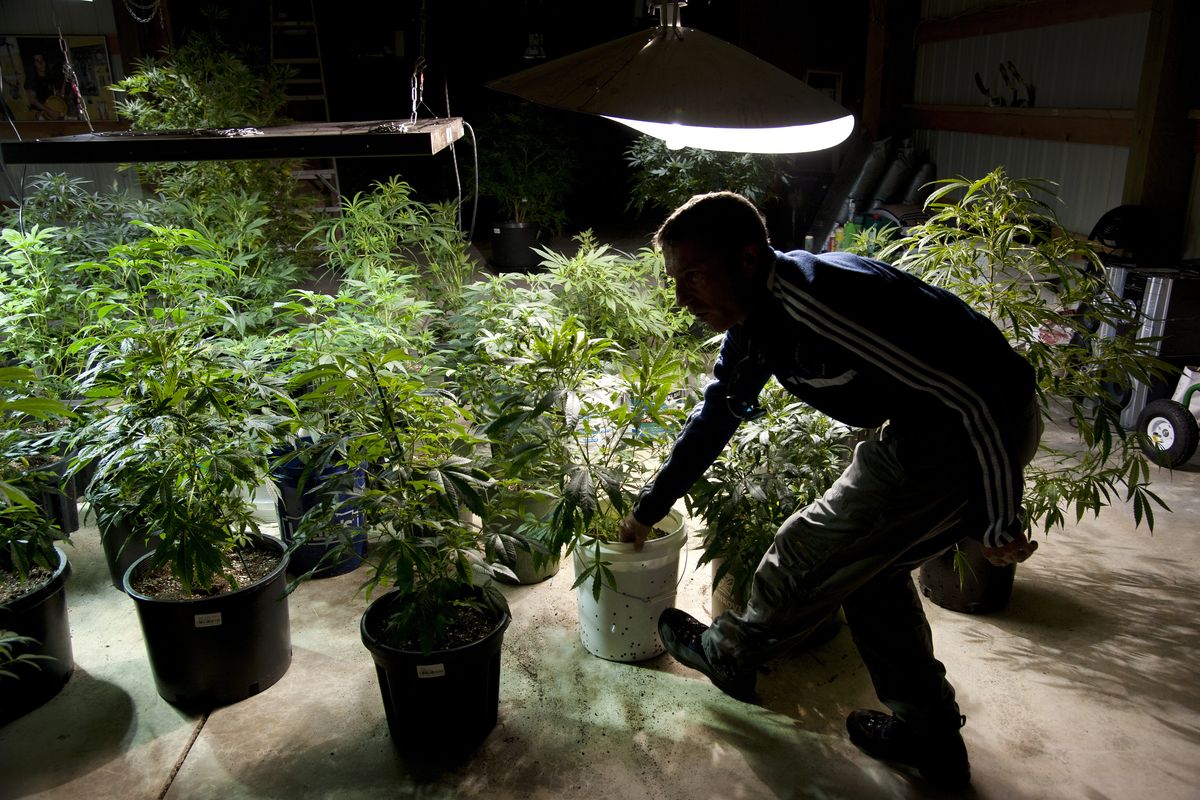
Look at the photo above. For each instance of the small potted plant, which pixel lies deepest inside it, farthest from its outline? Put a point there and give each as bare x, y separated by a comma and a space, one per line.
435, 637
176, 458
527, 168
618, 429
35, 641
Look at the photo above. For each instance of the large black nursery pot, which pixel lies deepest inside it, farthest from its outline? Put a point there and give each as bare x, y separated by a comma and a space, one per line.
446, 700
218, 650
123, 545
983, 589
512, 246
42, 616
294, 502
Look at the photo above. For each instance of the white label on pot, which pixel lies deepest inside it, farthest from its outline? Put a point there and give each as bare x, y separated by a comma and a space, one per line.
496, 231
208, 620
430, 670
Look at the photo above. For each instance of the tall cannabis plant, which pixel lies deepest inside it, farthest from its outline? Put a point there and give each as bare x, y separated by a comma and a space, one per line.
187, 425
996, 243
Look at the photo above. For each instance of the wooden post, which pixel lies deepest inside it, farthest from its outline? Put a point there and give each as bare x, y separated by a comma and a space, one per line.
889, 67
1161, 153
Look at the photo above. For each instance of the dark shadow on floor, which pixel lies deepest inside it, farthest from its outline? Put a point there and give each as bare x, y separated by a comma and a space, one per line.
1129, 634
89, 723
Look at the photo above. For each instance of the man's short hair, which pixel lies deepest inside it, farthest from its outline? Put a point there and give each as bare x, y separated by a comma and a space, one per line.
722, 221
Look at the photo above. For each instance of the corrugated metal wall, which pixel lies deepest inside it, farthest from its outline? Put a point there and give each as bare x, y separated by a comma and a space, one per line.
1090, 177
72, 17
1091, 64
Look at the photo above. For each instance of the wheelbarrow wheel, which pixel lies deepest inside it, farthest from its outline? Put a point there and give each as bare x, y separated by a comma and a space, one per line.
1169, 432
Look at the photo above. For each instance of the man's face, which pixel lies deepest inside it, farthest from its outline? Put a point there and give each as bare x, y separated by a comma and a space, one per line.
707, 283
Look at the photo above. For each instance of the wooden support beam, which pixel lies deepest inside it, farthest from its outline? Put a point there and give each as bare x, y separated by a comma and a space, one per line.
1161, 154
890, 67
1025, 16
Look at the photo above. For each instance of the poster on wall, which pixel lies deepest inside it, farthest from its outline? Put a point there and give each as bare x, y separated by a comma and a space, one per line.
37, 86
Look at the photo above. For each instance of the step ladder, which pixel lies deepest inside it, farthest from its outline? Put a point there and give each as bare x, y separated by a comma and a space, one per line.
296, 45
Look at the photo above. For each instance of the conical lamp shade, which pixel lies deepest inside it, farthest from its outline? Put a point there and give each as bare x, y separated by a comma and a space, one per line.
685, 86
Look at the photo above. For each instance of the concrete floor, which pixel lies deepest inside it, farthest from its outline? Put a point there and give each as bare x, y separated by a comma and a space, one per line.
1086, 687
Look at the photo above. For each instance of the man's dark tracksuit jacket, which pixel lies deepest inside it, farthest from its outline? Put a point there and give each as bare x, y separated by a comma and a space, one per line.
865, 343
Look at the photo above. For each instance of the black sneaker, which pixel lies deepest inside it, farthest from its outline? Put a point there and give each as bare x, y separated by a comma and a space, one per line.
680, 633
940, 758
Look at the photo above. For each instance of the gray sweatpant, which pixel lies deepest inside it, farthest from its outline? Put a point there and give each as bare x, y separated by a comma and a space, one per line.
900, 502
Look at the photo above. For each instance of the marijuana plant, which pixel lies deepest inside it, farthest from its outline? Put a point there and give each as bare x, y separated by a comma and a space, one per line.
664, 178
996, 243
774, 466
527, 165
186, 438
416, 445
617, 295
388, 228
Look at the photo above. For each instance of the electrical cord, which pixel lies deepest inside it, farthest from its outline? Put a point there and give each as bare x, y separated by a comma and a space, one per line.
475, 196
457, 174
454, 158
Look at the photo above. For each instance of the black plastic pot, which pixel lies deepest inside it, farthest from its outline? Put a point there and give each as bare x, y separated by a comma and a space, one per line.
59, 500
983, 589
512, 246
42, 616
447, 700
293, 503
123, 545
218, 650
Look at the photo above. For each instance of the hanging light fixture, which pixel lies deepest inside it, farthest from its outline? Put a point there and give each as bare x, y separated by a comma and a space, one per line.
689, 89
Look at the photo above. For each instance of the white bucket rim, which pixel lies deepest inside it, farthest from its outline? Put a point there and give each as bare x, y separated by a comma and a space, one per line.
652, 549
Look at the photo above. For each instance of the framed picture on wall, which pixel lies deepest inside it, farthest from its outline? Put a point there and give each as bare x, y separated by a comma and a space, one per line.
37, 86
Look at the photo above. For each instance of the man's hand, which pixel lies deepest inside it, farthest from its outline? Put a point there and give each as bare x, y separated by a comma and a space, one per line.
633, 531
1014, 552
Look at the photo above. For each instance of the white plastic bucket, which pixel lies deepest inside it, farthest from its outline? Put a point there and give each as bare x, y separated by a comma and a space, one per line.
622, 625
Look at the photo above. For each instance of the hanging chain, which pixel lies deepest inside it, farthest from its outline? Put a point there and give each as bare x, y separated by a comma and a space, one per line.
144, 10
73, 79
417, 82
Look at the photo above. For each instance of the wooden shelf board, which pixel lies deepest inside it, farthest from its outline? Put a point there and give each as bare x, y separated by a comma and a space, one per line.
1109, 126
299, 140
48, 129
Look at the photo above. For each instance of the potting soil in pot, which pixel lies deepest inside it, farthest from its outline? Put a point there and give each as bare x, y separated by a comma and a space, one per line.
247, 568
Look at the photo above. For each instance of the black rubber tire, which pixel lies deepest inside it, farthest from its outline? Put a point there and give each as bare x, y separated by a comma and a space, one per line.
1170, 432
